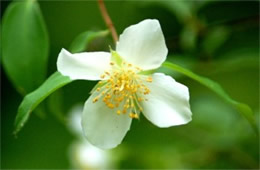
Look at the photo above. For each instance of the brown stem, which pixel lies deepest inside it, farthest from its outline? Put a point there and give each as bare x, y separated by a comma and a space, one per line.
107, 20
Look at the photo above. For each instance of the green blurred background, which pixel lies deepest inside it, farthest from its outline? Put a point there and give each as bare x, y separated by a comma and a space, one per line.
216, 39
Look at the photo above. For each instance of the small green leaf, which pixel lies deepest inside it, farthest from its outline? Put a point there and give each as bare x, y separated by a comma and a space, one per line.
32, 100
25, 45
80, 43
115, 57
147, 72
244, 109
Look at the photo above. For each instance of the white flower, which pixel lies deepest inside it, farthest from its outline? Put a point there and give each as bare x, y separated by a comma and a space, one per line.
83, 155
125, 89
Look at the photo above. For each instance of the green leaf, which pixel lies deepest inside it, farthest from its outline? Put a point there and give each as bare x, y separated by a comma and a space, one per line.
25, 45
244, 109
32, 100
81, 42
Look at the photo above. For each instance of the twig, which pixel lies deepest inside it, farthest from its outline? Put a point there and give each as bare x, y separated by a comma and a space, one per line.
107, 20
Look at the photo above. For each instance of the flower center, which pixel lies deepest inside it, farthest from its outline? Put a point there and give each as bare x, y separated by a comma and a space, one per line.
124, 89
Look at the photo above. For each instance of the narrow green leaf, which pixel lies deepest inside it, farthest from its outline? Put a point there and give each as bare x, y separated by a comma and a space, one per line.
244, 109
80, 43
32, 100
25, 45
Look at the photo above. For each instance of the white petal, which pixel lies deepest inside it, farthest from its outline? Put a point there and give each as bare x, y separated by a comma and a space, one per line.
102, 126
143, 45
86, 66
168, 102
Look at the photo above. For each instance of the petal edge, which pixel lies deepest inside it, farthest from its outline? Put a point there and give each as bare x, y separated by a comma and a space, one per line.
83, 66
102, 126
143, 44
168, 102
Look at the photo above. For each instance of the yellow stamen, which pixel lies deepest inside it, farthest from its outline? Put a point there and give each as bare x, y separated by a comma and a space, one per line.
123, 89
95, 99
103, 76
149, 79
132, 115
111, 106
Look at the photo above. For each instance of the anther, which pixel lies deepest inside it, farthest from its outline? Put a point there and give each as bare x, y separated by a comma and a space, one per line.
132, 115
140, 99
95, 100
111, 106
149, 79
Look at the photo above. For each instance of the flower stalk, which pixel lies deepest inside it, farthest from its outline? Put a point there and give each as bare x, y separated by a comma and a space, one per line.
107, 20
